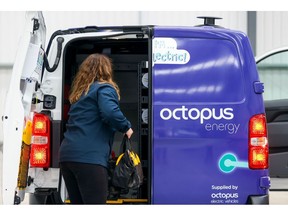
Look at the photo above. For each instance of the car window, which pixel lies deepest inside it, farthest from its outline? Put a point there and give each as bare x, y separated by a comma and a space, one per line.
206, 76
273, 71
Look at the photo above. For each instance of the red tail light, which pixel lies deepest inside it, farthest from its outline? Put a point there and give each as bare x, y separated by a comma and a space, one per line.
40, 146
258, 142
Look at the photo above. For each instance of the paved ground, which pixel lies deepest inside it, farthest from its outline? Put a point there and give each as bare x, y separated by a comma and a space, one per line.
279, 198
279, 191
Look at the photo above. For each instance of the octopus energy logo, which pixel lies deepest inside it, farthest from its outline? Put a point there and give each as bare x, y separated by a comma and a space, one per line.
203, 115
194, 114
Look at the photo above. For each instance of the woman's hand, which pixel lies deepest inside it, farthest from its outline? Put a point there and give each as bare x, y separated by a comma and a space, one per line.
129, 133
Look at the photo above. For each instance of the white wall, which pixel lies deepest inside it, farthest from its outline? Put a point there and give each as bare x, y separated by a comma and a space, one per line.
271, 30
4, 82
11, 23
271, 25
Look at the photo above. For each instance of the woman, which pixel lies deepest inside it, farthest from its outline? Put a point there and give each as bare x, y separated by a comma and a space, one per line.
94, 117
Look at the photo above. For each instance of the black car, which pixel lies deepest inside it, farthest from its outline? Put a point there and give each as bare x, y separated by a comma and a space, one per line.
273, 71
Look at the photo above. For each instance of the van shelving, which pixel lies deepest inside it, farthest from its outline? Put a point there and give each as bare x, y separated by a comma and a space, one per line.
143, 129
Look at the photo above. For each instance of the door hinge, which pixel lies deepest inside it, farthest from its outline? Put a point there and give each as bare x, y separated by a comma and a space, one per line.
36, 25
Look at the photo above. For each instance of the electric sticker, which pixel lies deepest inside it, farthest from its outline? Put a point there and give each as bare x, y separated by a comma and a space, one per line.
165, 52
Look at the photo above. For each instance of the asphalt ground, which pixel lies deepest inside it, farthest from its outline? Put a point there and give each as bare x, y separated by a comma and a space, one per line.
279, 191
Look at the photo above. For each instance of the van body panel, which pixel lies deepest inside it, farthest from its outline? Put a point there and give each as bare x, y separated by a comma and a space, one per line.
25, 76
202, 99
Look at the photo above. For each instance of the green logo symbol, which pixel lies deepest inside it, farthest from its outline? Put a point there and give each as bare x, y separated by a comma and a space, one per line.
228, 162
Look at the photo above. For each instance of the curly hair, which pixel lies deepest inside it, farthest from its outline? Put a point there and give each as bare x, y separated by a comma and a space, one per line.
96, 67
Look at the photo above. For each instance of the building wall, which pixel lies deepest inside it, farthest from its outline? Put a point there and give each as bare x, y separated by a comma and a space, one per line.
4, 82
271, 30
11, 26
271, 26
12, 23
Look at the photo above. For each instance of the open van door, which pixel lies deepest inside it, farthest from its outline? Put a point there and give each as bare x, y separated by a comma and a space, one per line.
17, 126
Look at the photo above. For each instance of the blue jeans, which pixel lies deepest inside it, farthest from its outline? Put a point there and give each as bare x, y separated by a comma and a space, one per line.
86, 183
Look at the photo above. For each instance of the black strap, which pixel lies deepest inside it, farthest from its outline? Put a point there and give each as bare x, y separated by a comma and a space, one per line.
126, 144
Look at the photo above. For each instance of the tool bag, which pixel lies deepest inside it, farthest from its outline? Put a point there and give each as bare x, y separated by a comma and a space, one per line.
128, 173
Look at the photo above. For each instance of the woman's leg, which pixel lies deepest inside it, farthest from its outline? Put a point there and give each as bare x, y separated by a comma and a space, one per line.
67, 171
86, 183
93, 184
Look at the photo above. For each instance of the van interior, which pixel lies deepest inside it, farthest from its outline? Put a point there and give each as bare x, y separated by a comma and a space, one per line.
129, 57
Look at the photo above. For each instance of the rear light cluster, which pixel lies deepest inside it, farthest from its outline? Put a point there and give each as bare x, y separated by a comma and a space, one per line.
40, 146
258, 142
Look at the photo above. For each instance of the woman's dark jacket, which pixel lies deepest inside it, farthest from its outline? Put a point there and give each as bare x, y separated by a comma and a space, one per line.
93, 121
